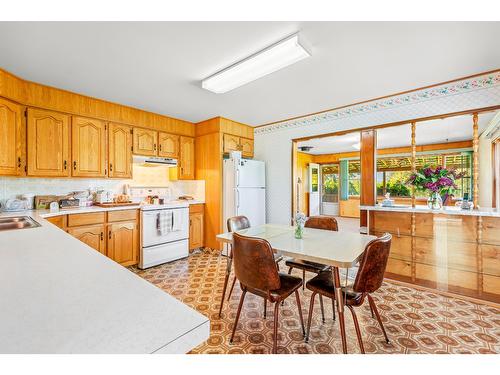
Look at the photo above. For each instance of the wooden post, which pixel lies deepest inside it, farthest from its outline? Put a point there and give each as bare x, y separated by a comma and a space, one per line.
368, 172
475, 162
413, 159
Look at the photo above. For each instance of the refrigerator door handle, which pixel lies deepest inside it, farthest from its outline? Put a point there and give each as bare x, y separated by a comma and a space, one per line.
237, 176
237, 198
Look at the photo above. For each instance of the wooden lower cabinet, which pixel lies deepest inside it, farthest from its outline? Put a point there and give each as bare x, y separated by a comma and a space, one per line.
115, 233
123, 242
92, 235
196, 223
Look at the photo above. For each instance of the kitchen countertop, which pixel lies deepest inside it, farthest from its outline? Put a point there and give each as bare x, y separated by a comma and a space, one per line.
448, 210
61, 296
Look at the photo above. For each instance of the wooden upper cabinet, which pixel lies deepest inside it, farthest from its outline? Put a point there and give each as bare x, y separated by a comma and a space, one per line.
11, 139
120, 151
168, 145
145, 142
186, 158
246, 147
123, 243
48, 143
88, 147
231, 143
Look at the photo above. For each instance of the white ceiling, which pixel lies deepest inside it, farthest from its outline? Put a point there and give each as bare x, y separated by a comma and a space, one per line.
157, 66
451, 129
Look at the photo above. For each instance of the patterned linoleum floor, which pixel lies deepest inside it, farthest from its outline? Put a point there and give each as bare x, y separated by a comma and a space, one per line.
416, 321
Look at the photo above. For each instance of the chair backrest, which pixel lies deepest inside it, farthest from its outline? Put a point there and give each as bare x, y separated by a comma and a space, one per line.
237, 223
254, 264
372, 266
322, 222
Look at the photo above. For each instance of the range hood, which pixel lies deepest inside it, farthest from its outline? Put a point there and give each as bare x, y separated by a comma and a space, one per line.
151, 161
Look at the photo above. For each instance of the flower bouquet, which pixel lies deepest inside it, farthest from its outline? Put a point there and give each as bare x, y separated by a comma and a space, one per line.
300, 220
438, 182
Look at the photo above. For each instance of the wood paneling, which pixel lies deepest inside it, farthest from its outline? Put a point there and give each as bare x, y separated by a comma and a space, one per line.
88, 147
398, 267
119, 151
302, 172
349, 207
446, 253
48, 143
246, 146
93, 235
368, 163
186, 167
446, 278
145, 142
168, 145
209, 168
86, 219
400, 246
122, 215
491, 260
123, 242
42, 96
12, 140
491, 230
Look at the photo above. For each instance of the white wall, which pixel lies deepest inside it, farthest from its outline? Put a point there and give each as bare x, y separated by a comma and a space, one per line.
273, 143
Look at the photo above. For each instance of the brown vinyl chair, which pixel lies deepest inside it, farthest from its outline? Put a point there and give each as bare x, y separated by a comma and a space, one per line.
316, 222
257, 272
235, 224
368, 279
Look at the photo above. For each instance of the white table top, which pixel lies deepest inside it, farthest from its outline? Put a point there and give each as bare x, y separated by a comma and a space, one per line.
339, 249
58, 295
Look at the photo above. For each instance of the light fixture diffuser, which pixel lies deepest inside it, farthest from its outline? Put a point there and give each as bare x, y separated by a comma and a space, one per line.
275, 57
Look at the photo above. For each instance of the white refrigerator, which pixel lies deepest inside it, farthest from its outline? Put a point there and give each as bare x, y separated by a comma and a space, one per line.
244, 191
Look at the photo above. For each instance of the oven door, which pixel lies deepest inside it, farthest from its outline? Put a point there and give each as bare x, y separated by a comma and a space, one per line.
150, 234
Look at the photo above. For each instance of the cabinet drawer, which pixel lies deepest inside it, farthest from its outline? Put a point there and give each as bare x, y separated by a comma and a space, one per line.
456, 227
446, 253
491, 284
398, 267
392, 222
446, 277
400, 246
86, 219
195, 208
58, 221
122, 215
491, 230
491, 260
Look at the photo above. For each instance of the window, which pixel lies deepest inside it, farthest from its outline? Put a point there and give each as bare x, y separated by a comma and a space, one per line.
354, 177
330, 183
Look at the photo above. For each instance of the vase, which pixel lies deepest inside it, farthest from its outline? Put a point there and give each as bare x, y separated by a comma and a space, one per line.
299, 230
434, 202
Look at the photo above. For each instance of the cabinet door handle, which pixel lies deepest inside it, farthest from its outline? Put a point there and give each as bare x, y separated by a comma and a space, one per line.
65, 164
110, 167
154, 146
109, 235
102, 236
160, 146
19, 162
74, 165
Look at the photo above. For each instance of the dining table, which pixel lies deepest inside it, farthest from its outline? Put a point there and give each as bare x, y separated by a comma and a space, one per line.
336, 249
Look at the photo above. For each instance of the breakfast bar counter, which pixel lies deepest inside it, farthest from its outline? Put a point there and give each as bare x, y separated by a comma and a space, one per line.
61, 296
449, 249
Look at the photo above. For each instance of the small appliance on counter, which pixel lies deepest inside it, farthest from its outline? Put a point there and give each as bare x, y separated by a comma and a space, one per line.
104, 196
388, 202
466, 204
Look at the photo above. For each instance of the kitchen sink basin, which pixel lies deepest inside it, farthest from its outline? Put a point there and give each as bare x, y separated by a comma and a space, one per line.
17, 222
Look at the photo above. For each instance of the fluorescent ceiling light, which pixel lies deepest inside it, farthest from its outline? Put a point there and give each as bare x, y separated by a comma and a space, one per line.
278, 56
357, 146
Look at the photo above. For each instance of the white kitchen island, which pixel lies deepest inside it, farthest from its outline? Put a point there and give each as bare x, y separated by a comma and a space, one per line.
57, 295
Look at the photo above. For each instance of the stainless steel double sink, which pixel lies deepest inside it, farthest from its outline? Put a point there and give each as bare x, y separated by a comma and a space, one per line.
17, 222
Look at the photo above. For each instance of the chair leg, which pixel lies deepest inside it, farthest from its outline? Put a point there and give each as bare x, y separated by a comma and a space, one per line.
375, 310
309, 318
226, 279
290, 270
278, 266
275, 342
371, 310
322, 308
358, 331
333, 307
300, 312
265, 308
303, 279
242, 298
231, 290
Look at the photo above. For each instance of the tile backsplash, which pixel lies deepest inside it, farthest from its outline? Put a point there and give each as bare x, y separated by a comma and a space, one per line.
14, 187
